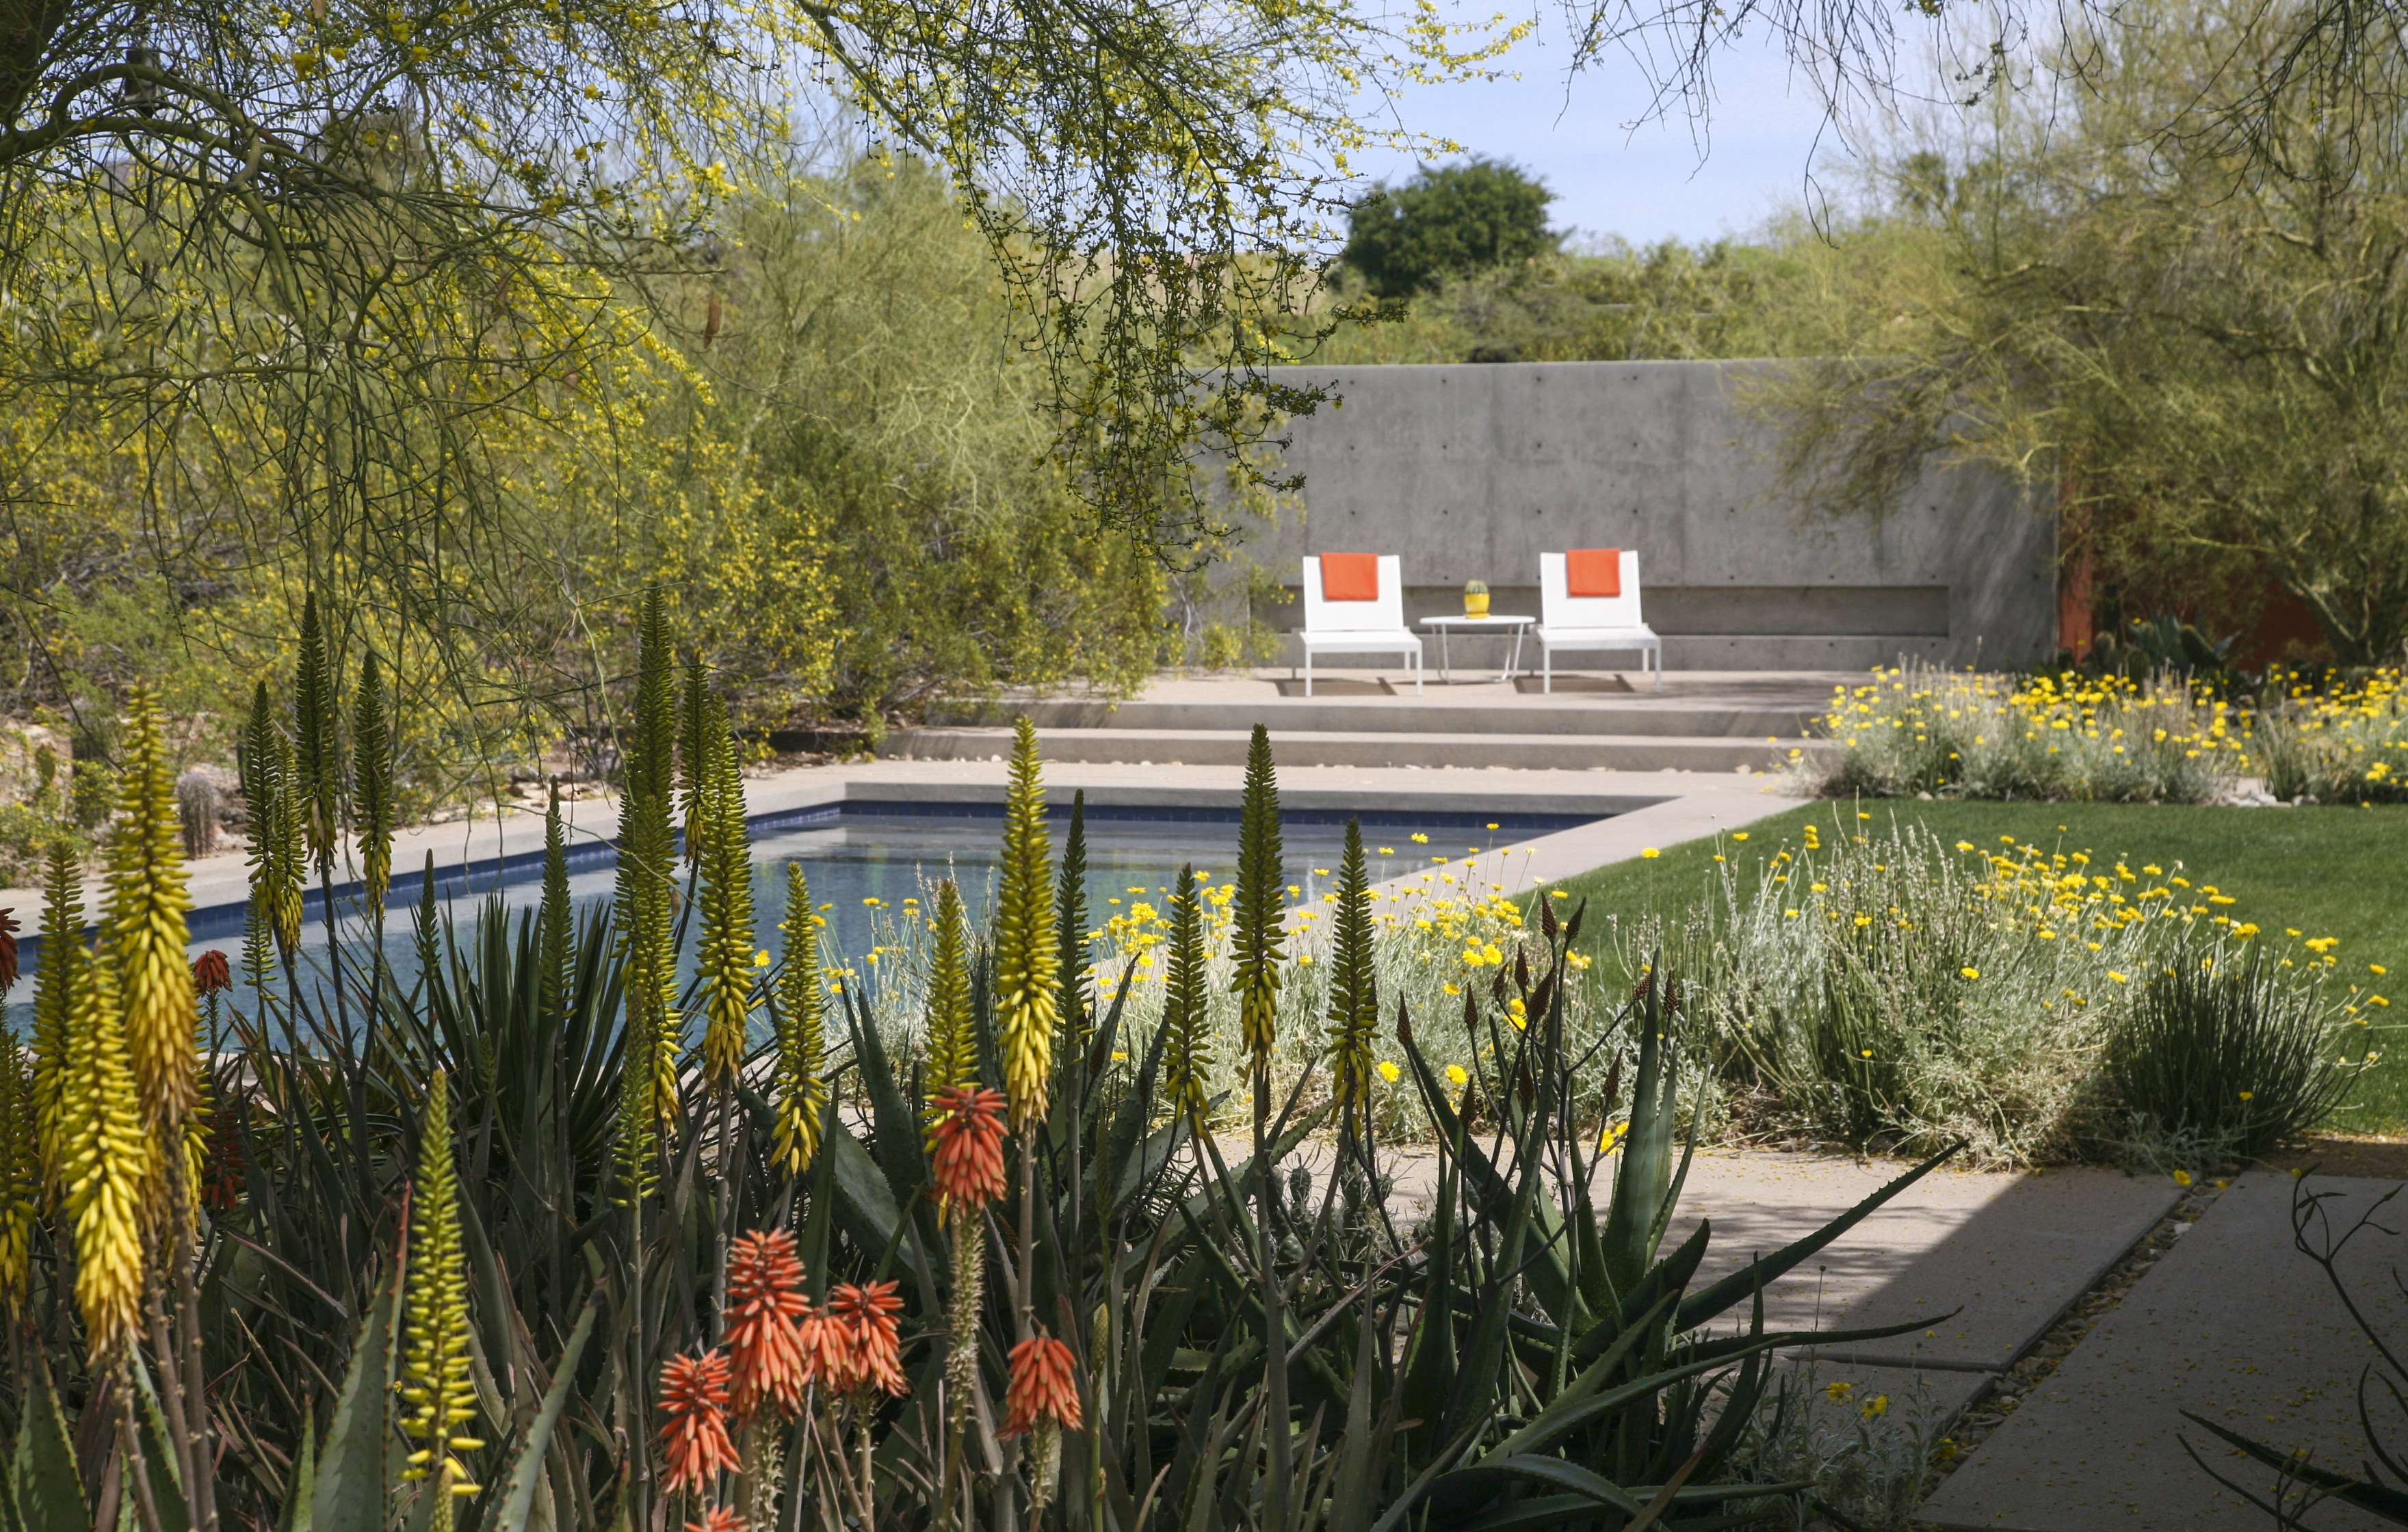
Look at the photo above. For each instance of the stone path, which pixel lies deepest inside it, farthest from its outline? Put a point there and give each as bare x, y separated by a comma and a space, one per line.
2233, 1324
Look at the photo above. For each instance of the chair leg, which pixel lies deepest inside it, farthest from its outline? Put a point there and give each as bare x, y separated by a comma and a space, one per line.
1417, 672
1308, 672
1658, 653
1546, 671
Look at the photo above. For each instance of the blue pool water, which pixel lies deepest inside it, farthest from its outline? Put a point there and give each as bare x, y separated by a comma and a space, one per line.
863, 858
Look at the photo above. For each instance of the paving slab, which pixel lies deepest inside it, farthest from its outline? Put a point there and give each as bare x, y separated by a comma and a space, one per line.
2008, 1251
2011, 1250
2233, 1323
2012, 1269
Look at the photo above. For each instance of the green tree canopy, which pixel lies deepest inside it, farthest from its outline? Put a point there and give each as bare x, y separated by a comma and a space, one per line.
2194, 337
319, 282
1448, 221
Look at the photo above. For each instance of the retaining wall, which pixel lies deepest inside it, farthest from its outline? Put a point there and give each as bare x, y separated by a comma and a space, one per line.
1469, 471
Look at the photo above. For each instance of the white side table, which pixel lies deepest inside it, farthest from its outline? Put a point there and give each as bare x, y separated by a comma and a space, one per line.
1498, 623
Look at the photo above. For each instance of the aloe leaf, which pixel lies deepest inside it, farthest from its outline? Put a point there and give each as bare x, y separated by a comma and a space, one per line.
1731, 1346
1765, 1269
1547, 1512
819, 1209
1642, 1179
1490, 1475
1549, 1280
864, 1198
896, 1129
160, 1464
1430, 1368
49, 1487
1554, 1424
1669, 1276
351, 1481
517, 1497
1483, 1350
1673, 1193
298, 1491
1360, 1449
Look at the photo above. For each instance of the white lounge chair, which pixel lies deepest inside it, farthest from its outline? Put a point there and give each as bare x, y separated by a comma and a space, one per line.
1376, 626
1593, 621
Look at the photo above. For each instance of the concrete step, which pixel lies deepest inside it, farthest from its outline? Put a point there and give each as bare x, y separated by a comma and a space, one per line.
1568, 714
1369, 748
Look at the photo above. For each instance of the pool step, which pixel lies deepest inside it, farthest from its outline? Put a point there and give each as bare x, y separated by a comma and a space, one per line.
1330, 747
1569, 714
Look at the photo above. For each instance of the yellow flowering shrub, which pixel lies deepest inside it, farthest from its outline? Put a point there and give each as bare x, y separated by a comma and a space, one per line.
2343, 744
1983, 734
1888, 988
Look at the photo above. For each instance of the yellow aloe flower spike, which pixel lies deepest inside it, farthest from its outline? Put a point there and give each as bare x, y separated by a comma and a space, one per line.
1188, 1033
1026, 983
725, 953
143, 926
436, 1390
64, 962
1261, 915
802, 1031
19, 1175
952, 1046
108, 1166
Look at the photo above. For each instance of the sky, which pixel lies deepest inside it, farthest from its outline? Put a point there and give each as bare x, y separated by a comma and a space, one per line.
1645, 183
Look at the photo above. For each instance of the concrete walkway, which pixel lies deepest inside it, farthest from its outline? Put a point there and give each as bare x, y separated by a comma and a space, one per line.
2235, 1324
1990, 1258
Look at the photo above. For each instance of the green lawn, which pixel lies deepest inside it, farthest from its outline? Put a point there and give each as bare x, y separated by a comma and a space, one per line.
2328, 872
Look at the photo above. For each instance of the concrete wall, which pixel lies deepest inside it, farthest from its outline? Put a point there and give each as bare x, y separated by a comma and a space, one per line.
1470, 471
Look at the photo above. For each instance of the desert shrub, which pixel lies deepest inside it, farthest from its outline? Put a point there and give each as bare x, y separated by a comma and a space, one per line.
1871, 1458
1920, 729
2346, 743
2228, 1054
1881, 987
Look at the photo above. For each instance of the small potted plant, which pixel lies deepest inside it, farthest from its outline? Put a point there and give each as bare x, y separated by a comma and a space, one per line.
1475, 598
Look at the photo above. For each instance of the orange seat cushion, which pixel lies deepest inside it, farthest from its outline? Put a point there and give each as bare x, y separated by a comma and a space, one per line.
1593, 572
1349, 576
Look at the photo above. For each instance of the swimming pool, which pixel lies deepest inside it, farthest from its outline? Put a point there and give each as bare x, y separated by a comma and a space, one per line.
866, 857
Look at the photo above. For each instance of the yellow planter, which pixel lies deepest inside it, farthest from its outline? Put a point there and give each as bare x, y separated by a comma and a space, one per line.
1475, 606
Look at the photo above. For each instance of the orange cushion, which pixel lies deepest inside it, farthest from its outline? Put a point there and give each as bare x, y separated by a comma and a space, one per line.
1349, 576
1593, 572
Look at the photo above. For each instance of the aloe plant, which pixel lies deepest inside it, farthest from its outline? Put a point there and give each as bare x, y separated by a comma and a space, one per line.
1247, 1345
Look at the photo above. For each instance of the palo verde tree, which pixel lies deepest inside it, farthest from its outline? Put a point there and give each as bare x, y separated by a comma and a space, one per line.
321, 252
2195, 341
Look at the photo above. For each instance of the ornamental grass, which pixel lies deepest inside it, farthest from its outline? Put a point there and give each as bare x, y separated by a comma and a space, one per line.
1922, 730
